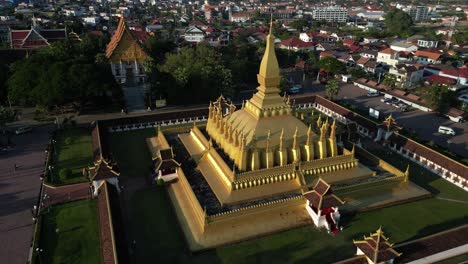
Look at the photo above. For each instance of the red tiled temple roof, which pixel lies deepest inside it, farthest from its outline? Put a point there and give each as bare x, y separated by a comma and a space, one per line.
119, 33
322, 196
377, 248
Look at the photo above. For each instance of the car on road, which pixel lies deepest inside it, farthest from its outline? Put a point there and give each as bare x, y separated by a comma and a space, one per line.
386, 100
23, 129
446, 130
295, 89
372, 94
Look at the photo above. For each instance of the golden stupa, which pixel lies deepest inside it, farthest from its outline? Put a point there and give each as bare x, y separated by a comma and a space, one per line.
265, 133
253, 166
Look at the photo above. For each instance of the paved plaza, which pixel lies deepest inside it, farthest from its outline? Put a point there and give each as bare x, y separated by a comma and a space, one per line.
19, 190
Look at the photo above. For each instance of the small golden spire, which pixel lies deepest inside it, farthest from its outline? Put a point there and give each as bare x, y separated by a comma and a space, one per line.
406, 174
319, 121
281, 140
268, 142
333, 129
309, 132
295, 139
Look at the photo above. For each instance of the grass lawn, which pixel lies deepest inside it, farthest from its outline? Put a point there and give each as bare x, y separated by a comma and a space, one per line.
455, 260
154, 225
78, 238
74, 151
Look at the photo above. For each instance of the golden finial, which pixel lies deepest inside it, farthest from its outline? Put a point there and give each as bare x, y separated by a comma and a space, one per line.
406, 173
269, 67
295, 139
333, 129
309, 132
281, 140
268, 142
323, 132
319, 122
271, 24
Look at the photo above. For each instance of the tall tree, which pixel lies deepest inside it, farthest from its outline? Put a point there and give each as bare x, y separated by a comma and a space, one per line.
332, 89
390, 80
398, 22
438, 97
199, 75
331, 65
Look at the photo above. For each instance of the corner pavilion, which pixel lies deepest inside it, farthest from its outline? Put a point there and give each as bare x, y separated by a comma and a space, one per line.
251, 166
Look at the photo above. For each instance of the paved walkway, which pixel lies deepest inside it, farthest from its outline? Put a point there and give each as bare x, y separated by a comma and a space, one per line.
67, 193
19, 192
135, 97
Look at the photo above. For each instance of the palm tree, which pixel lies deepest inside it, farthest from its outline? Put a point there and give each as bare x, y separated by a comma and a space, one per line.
332, 89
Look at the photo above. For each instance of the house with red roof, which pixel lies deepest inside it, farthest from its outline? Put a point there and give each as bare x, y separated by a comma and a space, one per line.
460, 75
35, 37
295, 44
428, 57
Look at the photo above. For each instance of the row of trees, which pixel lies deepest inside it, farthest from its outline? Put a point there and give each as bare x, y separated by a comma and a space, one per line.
62, 73
193, 75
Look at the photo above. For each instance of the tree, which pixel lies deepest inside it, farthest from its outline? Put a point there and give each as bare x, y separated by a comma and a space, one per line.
299, 24
398, 22
199, 75
357, 72
6, 115
157, 48
62, 73
331, 65
438, 97
332, 89
390, 80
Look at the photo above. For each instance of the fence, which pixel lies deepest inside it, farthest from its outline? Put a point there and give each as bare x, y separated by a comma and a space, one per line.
230, 215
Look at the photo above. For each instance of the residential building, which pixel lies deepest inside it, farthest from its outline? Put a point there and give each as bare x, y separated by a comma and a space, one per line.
428, 43
330, 14
306, 37
418, 13
403, 46
295, 44
428, 57
194, 34
388, 57
407, 75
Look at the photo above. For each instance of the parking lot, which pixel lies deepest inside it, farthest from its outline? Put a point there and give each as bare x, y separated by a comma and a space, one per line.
425, 124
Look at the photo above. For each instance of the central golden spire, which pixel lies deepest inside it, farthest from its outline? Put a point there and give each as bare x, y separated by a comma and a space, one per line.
267, 96
269, 67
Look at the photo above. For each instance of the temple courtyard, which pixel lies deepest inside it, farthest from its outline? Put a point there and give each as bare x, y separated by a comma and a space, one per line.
152, 222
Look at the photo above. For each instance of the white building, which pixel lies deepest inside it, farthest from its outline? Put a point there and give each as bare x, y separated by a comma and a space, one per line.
388, 57
330, 14
418, 13
403, 46
194, 34
92, 21
428, 43
322, 206
306, 37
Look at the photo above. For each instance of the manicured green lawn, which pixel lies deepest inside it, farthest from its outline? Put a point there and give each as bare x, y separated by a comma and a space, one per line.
455, 260
155, 227
131, 151
74, 151
77, 240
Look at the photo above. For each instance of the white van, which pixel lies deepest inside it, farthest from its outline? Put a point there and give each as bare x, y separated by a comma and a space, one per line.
446, 130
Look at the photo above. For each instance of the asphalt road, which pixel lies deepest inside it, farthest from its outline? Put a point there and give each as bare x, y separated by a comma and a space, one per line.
425, 124
19, 191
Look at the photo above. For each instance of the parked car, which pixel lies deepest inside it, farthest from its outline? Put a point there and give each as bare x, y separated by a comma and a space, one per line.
23, 129
446, 130
295, 89
372, 94
386, 100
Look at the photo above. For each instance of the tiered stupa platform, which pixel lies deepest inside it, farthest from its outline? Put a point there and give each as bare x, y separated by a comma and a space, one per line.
244, 174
